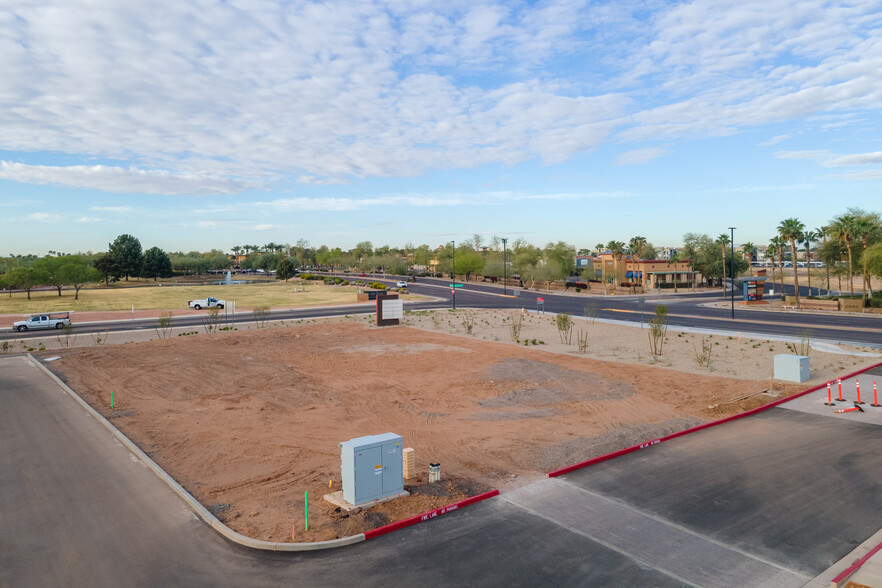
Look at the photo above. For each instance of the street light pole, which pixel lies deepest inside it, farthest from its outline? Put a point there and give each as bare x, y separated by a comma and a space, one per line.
732, 240
504, 241
453, 275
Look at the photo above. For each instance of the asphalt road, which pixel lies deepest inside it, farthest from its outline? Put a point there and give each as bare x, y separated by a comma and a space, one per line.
685, 310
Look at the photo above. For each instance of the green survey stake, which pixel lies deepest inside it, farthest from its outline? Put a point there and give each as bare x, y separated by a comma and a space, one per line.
111, 399
306, 508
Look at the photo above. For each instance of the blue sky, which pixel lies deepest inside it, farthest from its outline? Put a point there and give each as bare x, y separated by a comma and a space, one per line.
206, 124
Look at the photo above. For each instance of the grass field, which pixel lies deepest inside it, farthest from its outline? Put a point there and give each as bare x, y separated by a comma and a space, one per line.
154, 297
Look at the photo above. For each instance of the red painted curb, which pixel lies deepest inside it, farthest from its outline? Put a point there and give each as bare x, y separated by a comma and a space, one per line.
427, 515
856, 565
620, 452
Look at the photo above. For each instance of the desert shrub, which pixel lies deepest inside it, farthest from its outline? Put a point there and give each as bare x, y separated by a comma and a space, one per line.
261, 315
164, 324
658, 328
211, 320
564, 323
514, 326
582, 340
704, 357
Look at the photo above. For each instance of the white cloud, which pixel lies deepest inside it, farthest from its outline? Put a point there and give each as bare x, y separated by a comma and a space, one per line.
870, 174
420, 201
114, 209
193, 101
802, 154
857, 159
120, 180
88, 219
44, 217
774, 140
638, 156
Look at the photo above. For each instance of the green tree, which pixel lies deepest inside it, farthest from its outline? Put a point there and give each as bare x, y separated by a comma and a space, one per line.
791, 230
468, 262
778, 245
723, 240
866, 230
635, 247
873, 257
77, 271
50, 267
560, 260
285, 269
25, 278
524, 256
842, 228
104, 264
422, 255
808, 236
363, 250
772, 251
156, 264
822, 233
127, 256
617, 248
217, 260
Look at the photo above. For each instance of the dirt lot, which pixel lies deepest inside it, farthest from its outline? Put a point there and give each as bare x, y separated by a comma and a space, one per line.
249, 420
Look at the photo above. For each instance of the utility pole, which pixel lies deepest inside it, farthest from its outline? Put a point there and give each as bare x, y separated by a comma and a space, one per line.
504, 268
732, 232
453, 275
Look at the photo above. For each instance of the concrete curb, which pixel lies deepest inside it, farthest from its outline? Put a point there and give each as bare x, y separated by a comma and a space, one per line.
620, 452
203, 513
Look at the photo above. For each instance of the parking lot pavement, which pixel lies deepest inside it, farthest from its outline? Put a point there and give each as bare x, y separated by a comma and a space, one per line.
794, 489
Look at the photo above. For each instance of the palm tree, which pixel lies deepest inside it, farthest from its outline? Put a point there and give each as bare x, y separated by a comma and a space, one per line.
723, 240
865, 227
635, 245
778, 247
822, 233
791, 230
749, 250
617, 248
772, 250
809, 236
842, 228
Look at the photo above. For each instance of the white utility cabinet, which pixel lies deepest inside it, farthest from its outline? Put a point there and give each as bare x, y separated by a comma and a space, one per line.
371, 467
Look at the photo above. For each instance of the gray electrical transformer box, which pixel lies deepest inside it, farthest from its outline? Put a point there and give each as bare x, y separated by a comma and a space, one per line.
792, 368
371, 467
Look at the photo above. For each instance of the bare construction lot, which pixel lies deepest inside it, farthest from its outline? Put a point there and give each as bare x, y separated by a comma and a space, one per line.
248, 421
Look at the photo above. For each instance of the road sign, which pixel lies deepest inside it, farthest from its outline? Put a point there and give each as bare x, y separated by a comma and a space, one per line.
540, 299
455, 285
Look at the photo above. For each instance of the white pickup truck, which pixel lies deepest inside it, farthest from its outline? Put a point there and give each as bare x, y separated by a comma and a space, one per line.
207, 303
52, 320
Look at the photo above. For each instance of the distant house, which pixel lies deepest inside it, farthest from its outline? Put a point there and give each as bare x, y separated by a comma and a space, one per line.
648, 273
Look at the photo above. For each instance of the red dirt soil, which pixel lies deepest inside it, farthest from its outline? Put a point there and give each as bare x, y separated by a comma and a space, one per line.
249, 421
